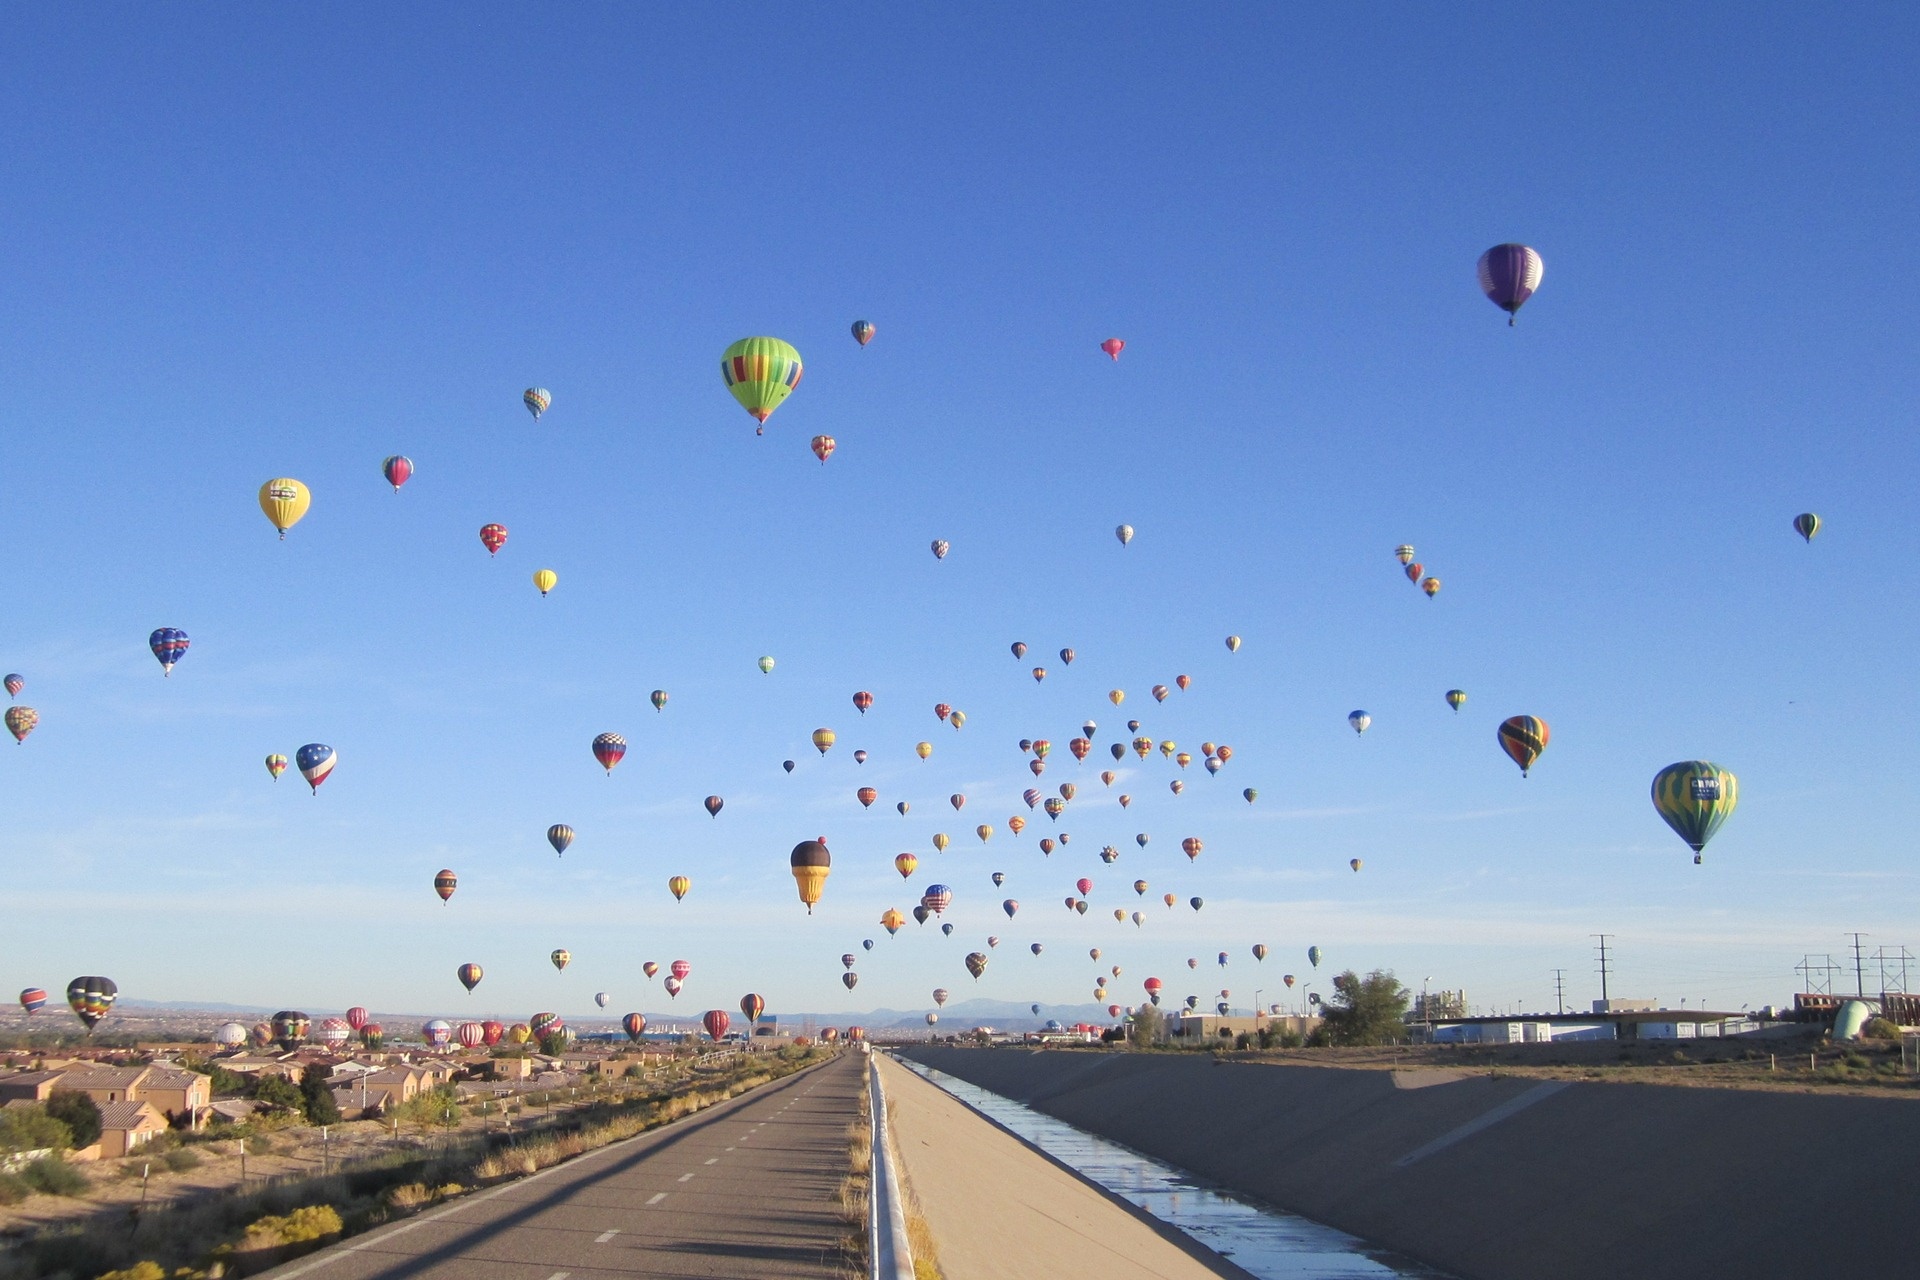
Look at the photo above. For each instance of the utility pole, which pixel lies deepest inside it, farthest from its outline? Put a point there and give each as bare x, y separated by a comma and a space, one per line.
1859, 968
1605, 968
1560, 990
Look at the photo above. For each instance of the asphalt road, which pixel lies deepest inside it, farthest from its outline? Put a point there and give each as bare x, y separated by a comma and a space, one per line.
747, 1189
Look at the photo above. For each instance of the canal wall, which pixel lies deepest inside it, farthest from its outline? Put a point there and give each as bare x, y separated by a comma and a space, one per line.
1507, 1178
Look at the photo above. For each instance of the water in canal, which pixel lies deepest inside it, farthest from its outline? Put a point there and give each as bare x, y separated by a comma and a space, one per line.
1271, 1245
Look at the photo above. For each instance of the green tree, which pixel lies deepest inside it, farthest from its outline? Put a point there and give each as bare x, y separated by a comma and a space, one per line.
316, 1099
225, 1083
1369, 1010
78, 1113
277, 1093
1149, 1026
32, 1129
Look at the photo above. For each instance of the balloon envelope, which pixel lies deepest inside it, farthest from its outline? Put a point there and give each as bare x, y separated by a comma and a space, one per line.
1695, 797
1509, 274
761, 373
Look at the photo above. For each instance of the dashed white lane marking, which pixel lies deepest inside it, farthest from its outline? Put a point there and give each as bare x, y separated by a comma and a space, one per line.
732, 1148
715, 1160
559, 1275
658, 1196
686, 1177
605, 1236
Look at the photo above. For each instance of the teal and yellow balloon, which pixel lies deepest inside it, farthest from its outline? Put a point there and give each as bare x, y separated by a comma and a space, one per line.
1696, 797
1806, 524
1456, 698
761, 373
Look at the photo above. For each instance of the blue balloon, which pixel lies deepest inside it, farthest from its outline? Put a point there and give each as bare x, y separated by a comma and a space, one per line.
169, 644
315, 762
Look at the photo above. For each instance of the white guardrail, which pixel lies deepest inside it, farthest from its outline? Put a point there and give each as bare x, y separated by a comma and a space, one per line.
887, 1246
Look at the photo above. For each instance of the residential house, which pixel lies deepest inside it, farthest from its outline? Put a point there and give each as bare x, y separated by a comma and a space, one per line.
174, 1093
125, 1127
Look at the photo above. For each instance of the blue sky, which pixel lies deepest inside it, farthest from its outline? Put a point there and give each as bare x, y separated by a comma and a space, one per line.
292, 243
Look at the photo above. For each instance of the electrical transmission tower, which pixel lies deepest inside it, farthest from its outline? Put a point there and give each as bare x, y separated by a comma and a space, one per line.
1816, 974
1560, 990
1606, 969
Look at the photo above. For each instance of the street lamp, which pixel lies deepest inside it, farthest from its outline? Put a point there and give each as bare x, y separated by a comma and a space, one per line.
1426, 1007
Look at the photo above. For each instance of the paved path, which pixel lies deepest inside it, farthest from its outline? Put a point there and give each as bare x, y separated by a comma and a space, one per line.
999, 1209
744, 1189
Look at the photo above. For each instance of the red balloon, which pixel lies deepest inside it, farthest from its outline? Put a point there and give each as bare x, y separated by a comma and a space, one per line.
716, 1022
1113, 347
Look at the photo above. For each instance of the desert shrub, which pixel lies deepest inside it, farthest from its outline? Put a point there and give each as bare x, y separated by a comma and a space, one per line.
50, 1175
181, 1160
315, 1222
138, 1271
1857, 1062
32, 1129
1881, 1029
409, 1195
12, 1189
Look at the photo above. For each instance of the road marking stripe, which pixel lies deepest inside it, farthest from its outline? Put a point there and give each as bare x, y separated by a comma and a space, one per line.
559, 1275
715, 1160
658, 1196
686, 1177
605, 1236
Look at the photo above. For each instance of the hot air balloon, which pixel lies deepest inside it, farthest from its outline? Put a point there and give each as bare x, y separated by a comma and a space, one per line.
1404, 553
891, 920
542, 1025
866, 796
493, 537
823, 447
823, 740
561, 958
1359, 720
1046, 846
1016, 824
1431, 586
398, 470
635, 1025
609, 749
1288, 979
1806, 524
1523, 738
940, 842
1084, 885
1354, 863
681, 970
1414, 571
677, 886
940, 996
940, 548
976, 963
862, 332
787, 765
1696, 797
849, 980
230, 1035
1124, 533
560, 835
1509, 274
469, 975
1233, 644
276, 765
536, 399
766, 666
713, 806
438, 1033
290, 1028
761, 373
169, 645
1191, 846
284, 501
546, 580
752, 1006
1313, 956
445, 883
659, 699
33, 998
356, 1018
1113, 347
716, 1021
1456, 698
15, 683
810, 863
650, 968
315, 762
984, 831
937, 898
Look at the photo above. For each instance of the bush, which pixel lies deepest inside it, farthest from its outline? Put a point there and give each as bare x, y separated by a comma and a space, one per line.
180, 1161
12, 1189
78, 1112
1881, 1029
138, 1271
315, 1222
279, 1093
32, 1129
316, 1098
50, 1175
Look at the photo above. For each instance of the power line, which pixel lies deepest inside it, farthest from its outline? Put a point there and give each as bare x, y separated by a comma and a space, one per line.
1605, 969
1859, 968
1560, 990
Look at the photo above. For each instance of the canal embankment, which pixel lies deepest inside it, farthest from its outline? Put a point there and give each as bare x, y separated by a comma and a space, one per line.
1499, 1177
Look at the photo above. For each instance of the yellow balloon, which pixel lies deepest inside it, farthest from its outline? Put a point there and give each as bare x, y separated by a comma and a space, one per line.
545, 580
940, 842
823, 739
984, 831
1117, 697
678, 886
923, 750
284, 500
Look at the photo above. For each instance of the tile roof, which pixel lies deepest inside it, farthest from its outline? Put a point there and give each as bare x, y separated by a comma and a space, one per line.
130, 1115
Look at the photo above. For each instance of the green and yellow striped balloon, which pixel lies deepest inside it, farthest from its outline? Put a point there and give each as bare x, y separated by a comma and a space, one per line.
1695, 797
1523, 738
761, 373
